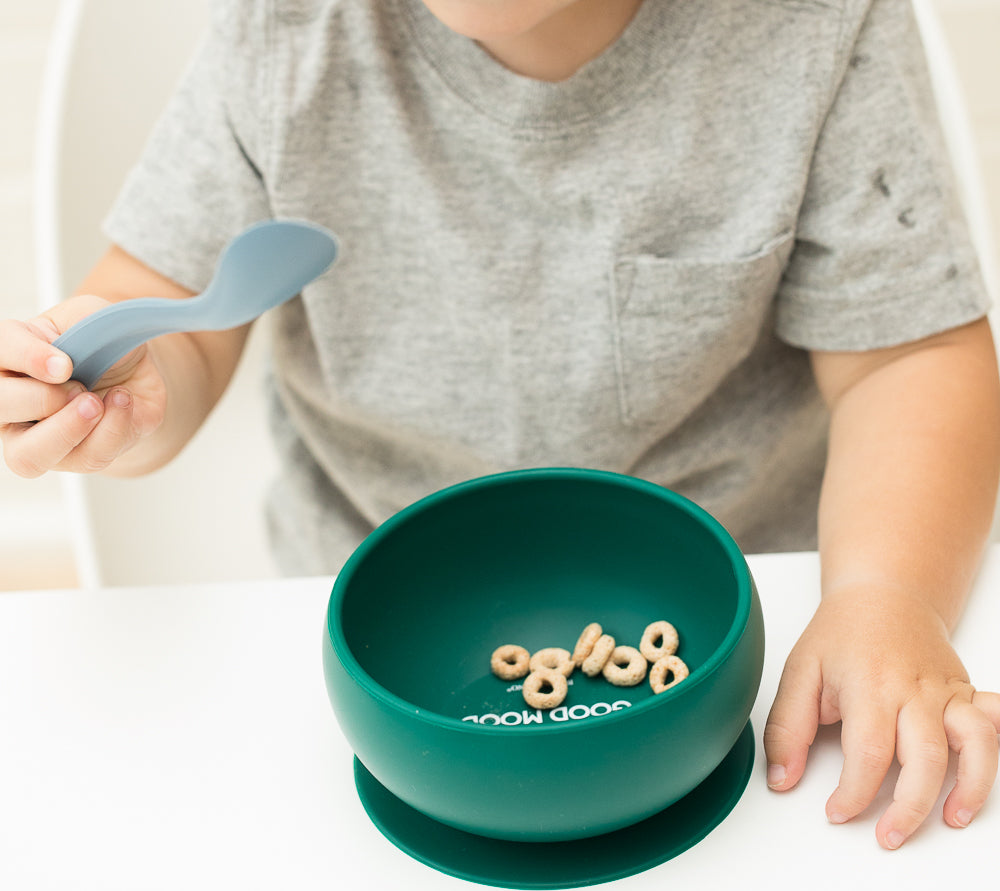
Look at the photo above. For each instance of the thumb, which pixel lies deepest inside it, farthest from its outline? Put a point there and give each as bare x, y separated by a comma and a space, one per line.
60, 318
792, 724
43, 327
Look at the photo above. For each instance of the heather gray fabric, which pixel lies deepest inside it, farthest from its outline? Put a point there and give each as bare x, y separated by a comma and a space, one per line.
622, 271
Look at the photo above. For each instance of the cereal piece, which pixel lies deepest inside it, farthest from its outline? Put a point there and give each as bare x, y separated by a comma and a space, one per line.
658, 640
553, 657
626, 667
510, 662
664, 668
599, 655
585, 643
544, 688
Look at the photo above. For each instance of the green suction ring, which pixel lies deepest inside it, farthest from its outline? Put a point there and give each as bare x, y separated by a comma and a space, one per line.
563, 864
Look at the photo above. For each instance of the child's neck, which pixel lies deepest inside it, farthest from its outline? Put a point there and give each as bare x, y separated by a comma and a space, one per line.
551, 48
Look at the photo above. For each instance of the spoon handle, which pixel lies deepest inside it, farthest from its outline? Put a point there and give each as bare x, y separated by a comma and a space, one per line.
101, 339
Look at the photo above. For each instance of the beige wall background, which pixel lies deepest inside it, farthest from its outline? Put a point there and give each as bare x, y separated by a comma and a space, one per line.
34, 538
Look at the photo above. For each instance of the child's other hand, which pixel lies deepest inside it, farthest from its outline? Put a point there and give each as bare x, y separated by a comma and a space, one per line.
50, 422
880, 662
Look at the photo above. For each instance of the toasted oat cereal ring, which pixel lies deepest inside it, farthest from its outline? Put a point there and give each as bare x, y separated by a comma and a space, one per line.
588, 637
599, 655
544, 688
553, 657
626, 667
510, 662
658, 640
669, 666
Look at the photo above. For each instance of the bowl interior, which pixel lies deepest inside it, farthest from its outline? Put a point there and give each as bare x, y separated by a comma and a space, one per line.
531, 558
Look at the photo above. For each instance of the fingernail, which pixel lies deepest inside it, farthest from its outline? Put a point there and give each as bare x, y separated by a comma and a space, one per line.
121, 398
964, 817
58, 366
89, 407
776, 774
894, 839
837, 818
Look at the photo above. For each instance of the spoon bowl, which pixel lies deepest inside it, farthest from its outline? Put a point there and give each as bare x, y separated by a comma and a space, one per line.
261, 268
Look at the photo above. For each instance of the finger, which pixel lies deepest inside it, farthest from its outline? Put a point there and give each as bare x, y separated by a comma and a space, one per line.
989, 705
791, 726
24, 399
973, 736
32, 449
868, 738
24, 349
110, 437
922, 752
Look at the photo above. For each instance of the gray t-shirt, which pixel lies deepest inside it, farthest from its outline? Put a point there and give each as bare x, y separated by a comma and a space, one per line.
624, 270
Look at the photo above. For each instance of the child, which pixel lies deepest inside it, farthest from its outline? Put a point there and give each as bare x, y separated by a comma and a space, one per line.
705, 242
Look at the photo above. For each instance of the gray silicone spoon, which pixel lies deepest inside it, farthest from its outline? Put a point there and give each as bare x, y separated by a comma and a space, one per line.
262, 267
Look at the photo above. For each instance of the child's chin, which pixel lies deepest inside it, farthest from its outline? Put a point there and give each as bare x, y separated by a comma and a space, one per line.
486, 20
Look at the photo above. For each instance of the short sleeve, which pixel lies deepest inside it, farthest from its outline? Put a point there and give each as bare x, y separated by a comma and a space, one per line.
882, 255
201, 176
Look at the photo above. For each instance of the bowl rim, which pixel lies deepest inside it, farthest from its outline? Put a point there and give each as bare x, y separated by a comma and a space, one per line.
342, 650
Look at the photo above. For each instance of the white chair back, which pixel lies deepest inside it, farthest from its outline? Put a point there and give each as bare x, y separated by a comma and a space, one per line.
957, 126
111, 66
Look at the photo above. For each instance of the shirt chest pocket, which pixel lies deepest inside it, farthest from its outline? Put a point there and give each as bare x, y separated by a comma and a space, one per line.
681, 326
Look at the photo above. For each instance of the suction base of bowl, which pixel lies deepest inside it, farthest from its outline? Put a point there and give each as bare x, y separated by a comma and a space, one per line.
564, 864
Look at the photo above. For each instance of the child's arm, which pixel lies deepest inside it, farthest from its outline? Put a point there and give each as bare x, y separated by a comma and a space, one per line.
905, 513
144, 409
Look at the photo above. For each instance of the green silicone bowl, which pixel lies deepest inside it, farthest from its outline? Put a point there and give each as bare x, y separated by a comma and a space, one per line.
530, 558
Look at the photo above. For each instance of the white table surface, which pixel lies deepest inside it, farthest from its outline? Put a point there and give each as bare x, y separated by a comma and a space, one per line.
181, 738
